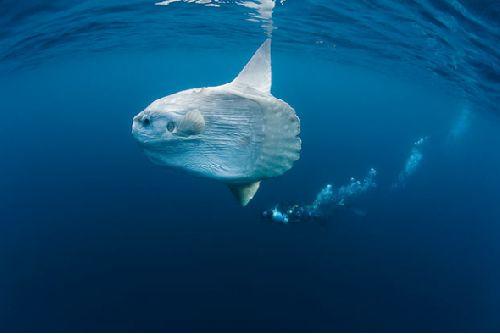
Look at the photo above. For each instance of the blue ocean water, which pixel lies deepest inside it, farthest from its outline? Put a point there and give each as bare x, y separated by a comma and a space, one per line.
94, 237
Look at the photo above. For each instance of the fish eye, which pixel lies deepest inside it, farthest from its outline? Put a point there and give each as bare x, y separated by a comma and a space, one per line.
146, 122
170, 126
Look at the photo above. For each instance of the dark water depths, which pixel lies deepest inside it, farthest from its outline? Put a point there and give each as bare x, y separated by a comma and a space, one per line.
93, 236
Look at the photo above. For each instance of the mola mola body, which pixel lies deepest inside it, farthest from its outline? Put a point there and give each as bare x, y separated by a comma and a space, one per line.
237, 133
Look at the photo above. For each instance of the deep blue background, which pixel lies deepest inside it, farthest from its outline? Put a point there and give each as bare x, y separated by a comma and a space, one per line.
93, 237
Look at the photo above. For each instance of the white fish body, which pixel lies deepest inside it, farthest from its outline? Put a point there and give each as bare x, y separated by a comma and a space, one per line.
237, 133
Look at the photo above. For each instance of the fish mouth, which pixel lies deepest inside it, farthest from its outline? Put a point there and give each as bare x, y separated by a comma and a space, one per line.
142, 137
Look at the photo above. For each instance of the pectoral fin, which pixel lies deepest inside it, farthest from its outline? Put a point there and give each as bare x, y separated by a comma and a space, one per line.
244, 192
193, 123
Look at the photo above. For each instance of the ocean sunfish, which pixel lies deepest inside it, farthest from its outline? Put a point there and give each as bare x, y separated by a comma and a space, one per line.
237, 133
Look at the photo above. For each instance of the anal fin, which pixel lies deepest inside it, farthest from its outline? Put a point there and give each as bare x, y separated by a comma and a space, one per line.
244, 192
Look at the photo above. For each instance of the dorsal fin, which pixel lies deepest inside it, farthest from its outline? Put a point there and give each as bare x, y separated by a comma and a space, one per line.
244, 192
257, 72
